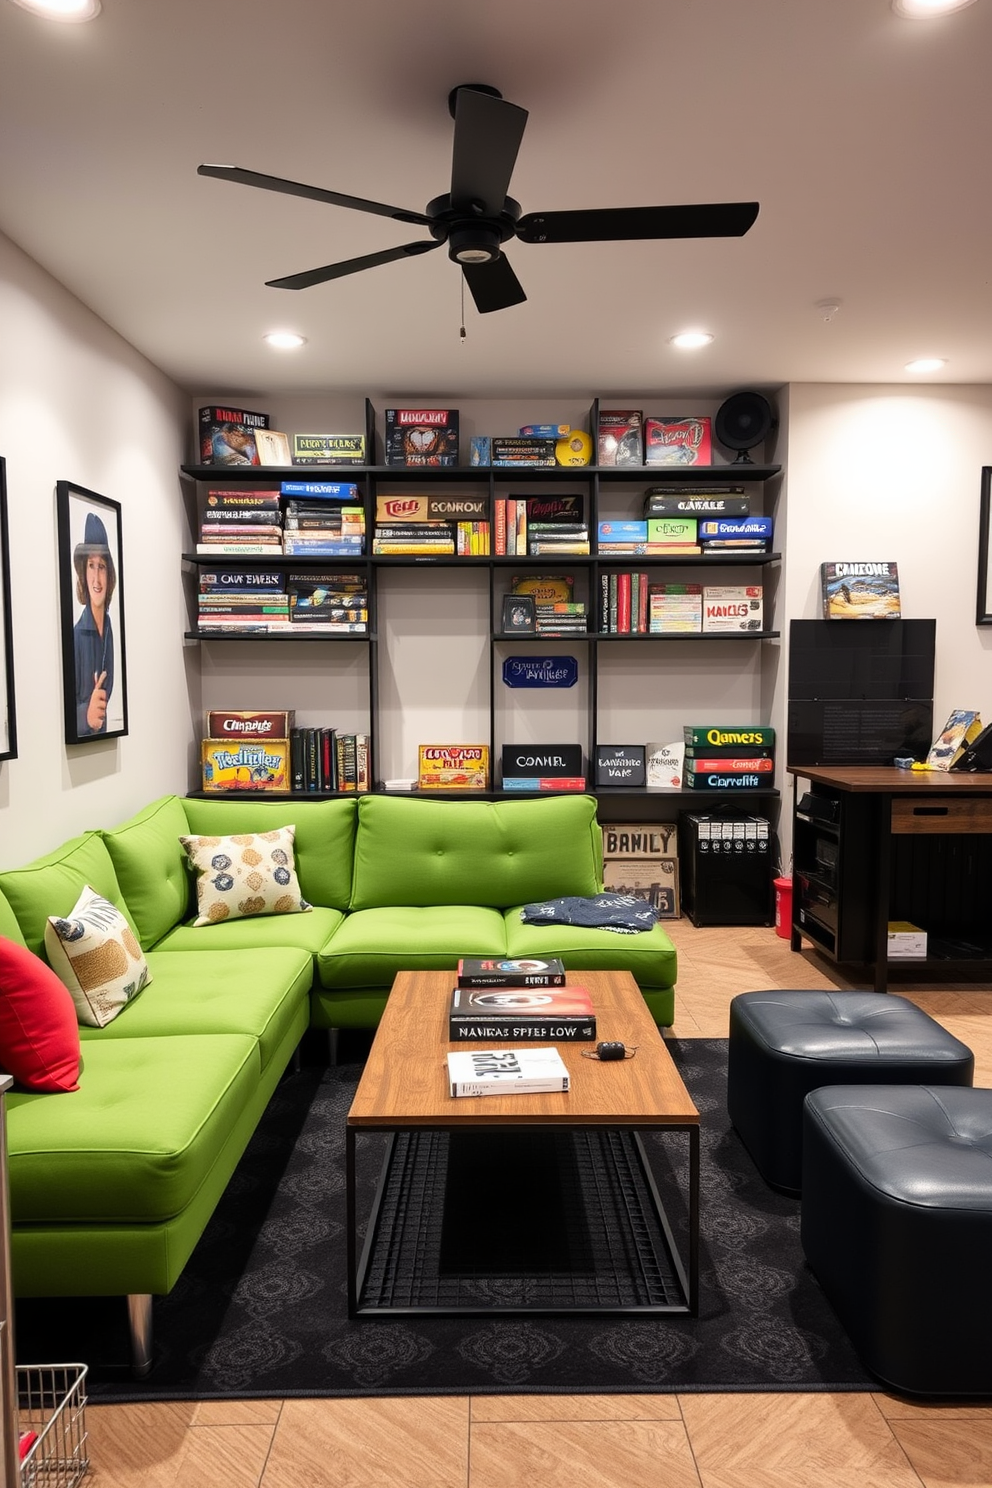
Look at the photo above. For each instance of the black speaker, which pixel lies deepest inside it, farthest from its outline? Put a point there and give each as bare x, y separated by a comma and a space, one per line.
743, 421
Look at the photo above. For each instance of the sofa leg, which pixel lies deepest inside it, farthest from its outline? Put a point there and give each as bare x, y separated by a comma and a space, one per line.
139, 1311
332, 1045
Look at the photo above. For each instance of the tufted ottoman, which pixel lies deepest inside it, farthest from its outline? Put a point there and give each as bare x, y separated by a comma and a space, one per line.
897, 1225
784, 1044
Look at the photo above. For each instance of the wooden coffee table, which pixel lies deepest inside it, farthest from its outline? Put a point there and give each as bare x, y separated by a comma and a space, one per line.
404, 1091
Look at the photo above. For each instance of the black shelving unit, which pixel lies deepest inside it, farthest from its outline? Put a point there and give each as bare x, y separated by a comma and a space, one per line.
591, 481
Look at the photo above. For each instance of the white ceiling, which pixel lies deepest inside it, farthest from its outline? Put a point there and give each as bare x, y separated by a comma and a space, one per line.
864, 137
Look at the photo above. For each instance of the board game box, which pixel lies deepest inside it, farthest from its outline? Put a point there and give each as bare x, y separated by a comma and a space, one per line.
421, 436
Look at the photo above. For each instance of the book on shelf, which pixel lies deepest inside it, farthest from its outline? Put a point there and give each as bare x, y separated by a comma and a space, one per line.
328, 449
543, 784
479, 1072
487, 971
472, 539
664, 764
724, 736
860, 591
421, 436
681, 440
226, 436
675, 609
221, 549
222, 500
960, 730
564, 1013
219, 514
246, 581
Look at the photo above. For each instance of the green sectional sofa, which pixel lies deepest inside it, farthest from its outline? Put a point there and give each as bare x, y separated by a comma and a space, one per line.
112, 1184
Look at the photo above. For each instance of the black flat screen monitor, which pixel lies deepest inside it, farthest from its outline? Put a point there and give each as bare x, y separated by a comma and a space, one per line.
860, 691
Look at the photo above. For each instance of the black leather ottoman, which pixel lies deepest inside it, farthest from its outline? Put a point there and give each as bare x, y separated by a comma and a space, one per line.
897, 1226
784, 1044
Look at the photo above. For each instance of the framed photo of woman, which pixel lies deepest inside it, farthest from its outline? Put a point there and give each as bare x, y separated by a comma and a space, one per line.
8, 724
94, 668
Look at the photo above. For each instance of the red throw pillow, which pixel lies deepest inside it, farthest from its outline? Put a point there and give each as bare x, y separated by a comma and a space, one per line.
39, 1034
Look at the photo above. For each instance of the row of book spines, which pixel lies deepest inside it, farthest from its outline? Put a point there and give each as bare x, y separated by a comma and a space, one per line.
322, 759
624, 599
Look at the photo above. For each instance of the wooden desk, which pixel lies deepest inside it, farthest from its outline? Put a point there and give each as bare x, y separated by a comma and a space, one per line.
881, 844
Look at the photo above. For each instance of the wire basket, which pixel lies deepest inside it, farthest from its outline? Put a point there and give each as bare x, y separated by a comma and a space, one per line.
51, 1401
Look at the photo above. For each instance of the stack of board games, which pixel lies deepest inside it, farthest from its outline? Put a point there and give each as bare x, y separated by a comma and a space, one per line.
728, 758
236, 524
675, 609
246, 752
329, 603
506, 1072
323, 519
234, 601
860, 591
421, 436
226, 436
677, 441
652, 536
424, 525
731, 608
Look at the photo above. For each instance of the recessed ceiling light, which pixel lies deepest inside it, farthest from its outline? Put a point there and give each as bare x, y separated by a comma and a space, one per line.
921, 10
285, 340
691, 340
926, 364
62, 10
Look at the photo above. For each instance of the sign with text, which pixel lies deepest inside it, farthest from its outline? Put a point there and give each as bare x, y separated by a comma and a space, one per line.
540, 671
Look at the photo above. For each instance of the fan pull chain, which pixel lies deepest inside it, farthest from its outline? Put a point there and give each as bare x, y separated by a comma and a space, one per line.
462, 331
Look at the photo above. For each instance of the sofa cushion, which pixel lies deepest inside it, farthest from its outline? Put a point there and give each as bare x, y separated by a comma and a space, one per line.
649, 955
52, 884
151, 867
134, 1143
372, 945
262, 992
325, 838
39, 1036
248, 874
96, 953
494, 853
9, 928
306, 932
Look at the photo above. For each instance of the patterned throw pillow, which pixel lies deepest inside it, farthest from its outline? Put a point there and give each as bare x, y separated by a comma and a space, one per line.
252, 873
94, 951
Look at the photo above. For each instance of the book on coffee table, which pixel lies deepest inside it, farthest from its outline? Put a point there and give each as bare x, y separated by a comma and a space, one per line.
506, 1072
561, 1013
530, 972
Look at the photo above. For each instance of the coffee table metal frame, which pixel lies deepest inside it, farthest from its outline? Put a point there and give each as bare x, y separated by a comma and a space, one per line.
404, 1090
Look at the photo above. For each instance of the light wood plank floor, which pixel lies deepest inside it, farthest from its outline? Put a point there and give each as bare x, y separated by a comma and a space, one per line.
609, 1441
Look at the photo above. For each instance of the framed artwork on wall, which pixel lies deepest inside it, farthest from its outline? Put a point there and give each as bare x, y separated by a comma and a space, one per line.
8, 722
91, 581
983, 612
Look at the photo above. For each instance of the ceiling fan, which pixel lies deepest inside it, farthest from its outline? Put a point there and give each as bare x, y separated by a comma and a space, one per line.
476, 217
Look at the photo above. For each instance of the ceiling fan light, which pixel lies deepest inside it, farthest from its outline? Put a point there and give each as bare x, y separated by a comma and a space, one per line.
691, 340
922, 10
62, 10
926, 364
473, 245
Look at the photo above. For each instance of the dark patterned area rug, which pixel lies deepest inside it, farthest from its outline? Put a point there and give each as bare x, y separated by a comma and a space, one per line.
261, 1307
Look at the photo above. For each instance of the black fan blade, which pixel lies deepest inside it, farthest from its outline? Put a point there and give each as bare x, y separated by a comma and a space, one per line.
493, 286
313, 193
349, 266
488, 132
614, 224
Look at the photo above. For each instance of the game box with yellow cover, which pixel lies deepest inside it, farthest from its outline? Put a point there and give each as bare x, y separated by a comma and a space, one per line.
254, 765
454, 767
